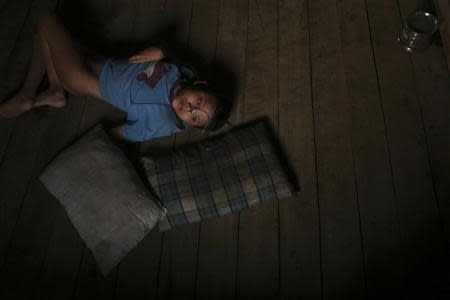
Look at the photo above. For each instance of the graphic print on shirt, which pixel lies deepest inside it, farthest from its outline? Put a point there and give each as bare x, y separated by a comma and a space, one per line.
153, 73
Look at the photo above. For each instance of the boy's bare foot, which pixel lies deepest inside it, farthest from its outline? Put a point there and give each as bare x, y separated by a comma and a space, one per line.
52, 97
16, 106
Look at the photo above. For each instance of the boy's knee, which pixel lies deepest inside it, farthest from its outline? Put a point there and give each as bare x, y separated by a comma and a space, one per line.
78, 82
45, 21
42, 24
72, 81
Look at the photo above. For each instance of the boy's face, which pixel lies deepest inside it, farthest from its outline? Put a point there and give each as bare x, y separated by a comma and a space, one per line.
194, 107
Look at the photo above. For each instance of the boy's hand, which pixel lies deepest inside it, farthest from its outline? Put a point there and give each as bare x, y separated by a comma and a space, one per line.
117, 132
149, 54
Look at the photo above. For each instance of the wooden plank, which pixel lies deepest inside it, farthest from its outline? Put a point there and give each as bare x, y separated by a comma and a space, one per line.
180, 14
173, 267
65, 248
64, 255
69, 270
216, 270
148, 19
117, 18
258, 259
376, 194
15, 175
163, 13
231, 52
341, 248
3, 4
179, 261
418, 213
13, 15
138, 272
203, 30
432, 86
33, 230
90, 283
171, 26
6, 127
89, 22
81, 277
443, 12
19, 153
299, 217
121, 26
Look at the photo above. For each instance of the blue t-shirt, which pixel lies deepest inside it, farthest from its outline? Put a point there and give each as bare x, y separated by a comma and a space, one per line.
144, 91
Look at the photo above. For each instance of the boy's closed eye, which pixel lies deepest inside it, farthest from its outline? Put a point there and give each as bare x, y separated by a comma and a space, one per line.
200, 102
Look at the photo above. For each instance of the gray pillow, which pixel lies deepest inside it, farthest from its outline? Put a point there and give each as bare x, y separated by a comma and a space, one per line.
104, 197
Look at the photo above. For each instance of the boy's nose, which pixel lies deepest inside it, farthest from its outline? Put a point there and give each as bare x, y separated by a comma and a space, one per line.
189, 107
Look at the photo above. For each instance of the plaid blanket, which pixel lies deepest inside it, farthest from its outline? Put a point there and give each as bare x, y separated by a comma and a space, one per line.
242, 168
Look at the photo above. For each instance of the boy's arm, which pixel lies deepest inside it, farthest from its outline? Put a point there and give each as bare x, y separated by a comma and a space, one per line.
177, 53
148, 54
117, 132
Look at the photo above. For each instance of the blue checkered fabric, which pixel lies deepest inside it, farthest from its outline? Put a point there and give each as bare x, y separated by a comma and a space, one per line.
242, 170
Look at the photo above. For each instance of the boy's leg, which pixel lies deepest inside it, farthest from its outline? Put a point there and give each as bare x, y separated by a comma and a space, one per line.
54, 95
15, 106
23, 100
62, 58
36, 70
55, 52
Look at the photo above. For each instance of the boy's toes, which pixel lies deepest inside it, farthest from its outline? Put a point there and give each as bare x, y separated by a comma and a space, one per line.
54, 97
15, 106
59, 98
26, 104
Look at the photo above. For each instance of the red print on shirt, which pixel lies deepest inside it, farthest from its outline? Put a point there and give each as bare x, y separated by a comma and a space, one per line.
153, 73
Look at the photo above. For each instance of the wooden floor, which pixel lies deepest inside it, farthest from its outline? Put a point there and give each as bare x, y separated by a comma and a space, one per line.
366, 126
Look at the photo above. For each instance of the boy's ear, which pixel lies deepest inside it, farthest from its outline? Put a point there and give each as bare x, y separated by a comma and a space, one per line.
200, 82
